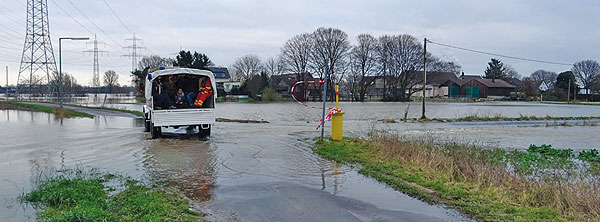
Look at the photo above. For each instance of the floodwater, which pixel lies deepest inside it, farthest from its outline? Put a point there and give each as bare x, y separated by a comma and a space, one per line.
264, 172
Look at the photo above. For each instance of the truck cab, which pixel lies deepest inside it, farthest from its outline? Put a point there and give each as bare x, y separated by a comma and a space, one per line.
192, 117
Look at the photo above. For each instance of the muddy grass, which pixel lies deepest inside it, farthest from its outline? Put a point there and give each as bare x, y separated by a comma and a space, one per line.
223, 120
475, 118
14, 106
137, 113
540, 184
58, 112
106, 197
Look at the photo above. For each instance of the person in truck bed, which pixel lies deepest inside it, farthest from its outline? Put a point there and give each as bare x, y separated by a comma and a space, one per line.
161, 98
180, 100
205, 91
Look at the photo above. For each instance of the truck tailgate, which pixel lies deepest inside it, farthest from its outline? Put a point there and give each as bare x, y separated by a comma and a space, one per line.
183, 117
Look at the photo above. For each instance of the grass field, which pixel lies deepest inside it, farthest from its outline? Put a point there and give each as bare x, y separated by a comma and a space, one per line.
88, 197
59, 113
540, 184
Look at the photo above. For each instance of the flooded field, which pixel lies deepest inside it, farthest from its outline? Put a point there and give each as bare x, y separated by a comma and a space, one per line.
264, 172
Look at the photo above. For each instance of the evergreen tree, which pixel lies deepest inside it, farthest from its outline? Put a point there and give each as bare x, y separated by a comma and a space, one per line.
562, 81
189, 60
495, 70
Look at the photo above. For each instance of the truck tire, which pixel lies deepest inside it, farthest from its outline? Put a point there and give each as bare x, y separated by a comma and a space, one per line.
146, 123
155, 132
203, 134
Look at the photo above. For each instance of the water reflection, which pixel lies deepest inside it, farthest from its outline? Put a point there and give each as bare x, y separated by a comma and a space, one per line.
186, 164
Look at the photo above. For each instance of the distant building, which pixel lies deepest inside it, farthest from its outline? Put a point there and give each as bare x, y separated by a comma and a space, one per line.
223, 80
486, 88
440, 84
283, 83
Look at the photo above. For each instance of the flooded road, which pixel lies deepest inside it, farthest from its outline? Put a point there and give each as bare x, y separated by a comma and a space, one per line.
262, 172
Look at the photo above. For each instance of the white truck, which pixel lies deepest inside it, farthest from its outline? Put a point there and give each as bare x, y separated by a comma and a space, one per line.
157, 118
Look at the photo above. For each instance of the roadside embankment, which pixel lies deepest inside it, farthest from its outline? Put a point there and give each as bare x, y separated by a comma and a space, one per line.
105, 197
133, 112
59, 113
540, 184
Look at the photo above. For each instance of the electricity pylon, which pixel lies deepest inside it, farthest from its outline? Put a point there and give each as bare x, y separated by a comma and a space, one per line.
38, 57
134, 50
96, 52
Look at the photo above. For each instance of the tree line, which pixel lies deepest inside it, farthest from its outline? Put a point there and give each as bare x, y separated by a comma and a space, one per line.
397, 59
583, 75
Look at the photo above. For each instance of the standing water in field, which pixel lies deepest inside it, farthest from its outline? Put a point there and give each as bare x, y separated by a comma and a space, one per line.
245, 169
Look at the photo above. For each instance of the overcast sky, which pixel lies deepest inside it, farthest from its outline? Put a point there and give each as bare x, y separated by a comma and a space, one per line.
552, 30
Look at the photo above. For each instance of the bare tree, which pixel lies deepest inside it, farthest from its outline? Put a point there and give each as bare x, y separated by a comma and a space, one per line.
246, 67
329, 53
363, 60
384, 51
529, 88
546, 76
406, 61
111, 78
443, 66
154, 62
295, 56
295, 53
273, 66
586, 72
510, 73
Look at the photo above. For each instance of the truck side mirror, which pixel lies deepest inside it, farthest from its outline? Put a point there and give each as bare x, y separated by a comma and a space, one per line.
149, 76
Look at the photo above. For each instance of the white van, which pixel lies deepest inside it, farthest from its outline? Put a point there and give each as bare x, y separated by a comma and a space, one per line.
157, 118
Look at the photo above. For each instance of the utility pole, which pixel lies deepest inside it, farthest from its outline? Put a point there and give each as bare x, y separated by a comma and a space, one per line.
134, 50
96, 52
574, 93
6, 83
424, 76
37, 51
324, 100
569, 91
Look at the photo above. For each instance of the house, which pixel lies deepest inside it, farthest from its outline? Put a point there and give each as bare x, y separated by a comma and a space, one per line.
223, 79
468, 77
283, 83
440, 84
486, 88
228, 86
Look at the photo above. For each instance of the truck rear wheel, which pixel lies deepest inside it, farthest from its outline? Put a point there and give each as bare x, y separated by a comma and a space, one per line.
146, 123
155, 132
204, 133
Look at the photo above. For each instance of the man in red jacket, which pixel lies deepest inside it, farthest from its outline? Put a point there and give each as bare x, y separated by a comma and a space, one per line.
204, 92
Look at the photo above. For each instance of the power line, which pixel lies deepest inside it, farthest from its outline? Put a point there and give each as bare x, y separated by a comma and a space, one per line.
67, 13
500, 55
88, 30
93, 23
118, 17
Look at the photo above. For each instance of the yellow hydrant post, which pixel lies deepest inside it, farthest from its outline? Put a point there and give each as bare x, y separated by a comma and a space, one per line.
337, 125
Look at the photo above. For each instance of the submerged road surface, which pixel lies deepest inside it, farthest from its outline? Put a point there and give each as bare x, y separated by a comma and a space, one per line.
245, 172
